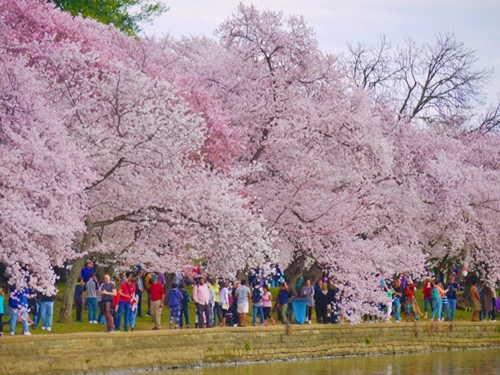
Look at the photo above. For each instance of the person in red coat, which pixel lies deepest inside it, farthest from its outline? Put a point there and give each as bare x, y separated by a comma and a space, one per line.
157, 292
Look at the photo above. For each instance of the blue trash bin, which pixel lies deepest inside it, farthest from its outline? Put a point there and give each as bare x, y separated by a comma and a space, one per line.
299, 306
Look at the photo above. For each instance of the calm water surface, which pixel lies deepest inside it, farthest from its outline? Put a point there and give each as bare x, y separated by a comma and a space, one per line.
480, 362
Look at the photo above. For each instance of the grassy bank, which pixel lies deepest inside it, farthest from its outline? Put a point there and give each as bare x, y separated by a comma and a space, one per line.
145, 322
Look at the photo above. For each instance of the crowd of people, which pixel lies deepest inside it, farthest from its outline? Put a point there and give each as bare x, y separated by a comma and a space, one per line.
117, 302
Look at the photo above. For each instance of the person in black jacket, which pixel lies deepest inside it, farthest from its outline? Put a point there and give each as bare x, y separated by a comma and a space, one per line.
322, 303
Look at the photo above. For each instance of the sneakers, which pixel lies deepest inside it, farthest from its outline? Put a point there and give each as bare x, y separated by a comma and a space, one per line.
49, 329
11, 333
43, 328
27, 333
309, 322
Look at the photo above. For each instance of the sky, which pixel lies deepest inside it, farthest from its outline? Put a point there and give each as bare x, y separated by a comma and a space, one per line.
337, 22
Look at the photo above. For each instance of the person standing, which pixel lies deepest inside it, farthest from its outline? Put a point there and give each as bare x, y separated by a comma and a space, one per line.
91, 287
138, 291
201, 297
78, 299
257, 307
242, 295
427, 295
175, 302
87, 271
217, 306
224, 301
283, 301
184, 306
108, 291
437, 295
2, 301
133, 303
398, 294
147, 282
18, 302
476, 302
452, 298
157, 293
126, 292
47, 311
317, 291
486, 296
267, 303
308, 293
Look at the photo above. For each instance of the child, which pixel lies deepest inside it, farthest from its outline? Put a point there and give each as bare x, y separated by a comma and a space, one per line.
134, 298
174, 302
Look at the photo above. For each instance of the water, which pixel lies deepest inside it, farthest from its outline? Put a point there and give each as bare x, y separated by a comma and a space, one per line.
480, 362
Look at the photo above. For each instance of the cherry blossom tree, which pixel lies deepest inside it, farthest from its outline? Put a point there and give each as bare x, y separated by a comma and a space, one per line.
42, 173
154, 199
342, 182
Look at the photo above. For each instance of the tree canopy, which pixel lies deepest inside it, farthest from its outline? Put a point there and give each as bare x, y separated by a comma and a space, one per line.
126, 15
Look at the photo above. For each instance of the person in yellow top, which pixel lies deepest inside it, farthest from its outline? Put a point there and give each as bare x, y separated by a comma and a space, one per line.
217, 310
147, 283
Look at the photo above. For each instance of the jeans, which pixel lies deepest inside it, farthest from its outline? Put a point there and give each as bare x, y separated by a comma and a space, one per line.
255, 311
123, 309
428, 305
184, 314
13, 319
397, 309
46, 313
218, 312
92, 308
36, 313
203, 312
452, 306
437, 308
133, 315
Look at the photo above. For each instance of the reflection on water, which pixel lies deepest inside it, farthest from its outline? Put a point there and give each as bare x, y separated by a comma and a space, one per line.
480, 362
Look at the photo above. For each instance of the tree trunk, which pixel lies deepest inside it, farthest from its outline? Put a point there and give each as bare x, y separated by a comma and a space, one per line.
69, 292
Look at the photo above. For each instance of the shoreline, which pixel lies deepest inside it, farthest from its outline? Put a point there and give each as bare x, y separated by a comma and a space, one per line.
145, 351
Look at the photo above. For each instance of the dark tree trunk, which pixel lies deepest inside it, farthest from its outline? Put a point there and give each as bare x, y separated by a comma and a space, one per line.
297, 269
69, 292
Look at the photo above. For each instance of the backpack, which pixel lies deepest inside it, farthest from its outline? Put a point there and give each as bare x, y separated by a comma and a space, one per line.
256, 295
185, 295
435, 293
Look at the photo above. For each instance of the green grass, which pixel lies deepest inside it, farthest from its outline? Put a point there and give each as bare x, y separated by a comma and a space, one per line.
145, 323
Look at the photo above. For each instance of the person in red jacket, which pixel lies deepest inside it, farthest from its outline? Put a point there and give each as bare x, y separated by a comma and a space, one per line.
157, 293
